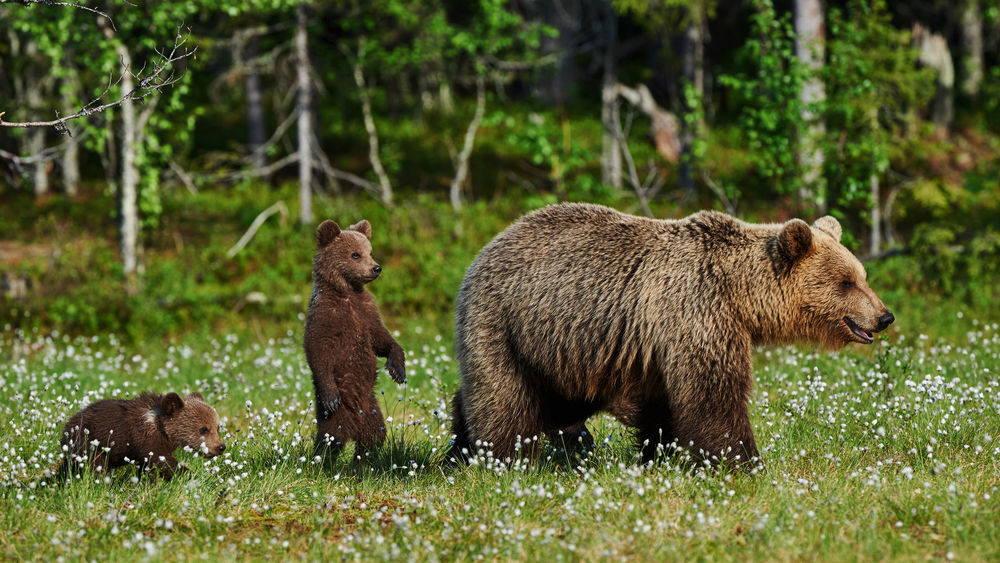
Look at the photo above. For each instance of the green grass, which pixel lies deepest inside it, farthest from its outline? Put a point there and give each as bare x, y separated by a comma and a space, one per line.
871, 453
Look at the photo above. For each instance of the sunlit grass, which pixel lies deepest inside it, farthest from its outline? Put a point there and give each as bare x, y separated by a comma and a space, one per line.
884, 452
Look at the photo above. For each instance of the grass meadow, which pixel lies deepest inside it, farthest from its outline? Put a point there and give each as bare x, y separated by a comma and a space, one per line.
887, 451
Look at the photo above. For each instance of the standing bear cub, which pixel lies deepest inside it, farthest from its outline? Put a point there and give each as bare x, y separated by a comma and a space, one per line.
343, 336
145, 431
578, 308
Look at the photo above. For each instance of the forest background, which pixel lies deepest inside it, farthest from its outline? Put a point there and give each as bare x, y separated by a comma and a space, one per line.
442, 121
164, 166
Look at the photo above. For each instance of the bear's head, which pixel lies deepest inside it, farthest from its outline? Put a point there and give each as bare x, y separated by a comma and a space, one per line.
832, 302
190, 422
345, 257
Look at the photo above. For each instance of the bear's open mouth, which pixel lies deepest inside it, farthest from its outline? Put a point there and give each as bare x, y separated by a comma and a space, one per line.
861, 333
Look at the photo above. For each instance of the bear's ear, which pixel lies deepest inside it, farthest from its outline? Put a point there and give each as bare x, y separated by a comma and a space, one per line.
327, 231
795, 239
196, 395
171, 404
363, 227
830, 226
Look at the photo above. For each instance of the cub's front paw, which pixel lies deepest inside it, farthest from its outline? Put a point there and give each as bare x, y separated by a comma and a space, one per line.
326, 407
397, 371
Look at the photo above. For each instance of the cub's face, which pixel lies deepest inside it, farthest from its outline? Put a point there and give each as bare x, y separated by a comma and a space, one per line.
345, 255
190, 422
833, 296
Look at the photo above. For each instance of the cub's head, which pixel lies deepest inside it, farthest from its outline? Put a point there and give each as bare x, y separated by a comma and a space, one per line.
190, 422
832, 302
345, 256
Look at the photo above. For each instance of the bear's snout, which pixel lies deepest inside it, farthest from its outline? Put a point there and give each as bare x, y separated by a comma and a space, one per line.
221, 448
884, 321
377, 269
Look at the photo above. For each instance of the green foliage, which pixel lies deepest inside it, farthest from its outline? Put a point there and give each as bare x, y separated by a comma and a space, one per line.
769, 95
873, 87
566, 159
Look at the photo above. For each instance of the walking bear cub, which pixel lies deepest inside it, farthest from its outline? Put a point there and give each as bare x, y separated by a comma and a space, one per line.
145, 430
577, 308
343, 336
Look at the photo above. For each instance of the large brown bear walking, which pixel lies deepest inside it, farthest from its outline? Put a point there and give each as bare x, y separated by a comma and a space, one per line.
578, 308
145, 431
343, 336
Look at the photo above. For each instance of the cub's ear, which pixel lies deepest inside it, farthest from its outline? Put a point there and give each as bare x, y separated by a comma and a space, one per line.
327, 231
363, 227
830, 226
795, 239
196, 395
171, 404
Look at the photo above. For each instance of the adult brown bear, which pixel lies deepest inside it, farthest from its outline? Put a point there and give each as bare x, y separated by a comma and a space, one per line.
579, 308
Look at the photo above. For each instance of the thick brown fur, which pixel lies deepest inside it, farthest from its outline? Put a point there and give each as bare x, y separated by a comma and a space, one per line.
579, 308
145, 431
343, 336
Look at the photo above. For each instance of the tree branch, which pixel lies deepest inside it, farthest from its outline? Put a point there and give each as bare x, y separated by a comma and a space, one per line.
67, 4
146, 85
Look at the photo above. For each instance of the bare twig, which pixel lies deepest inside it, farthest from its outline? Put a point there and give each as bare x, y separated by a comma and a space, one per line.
462, 170
66, 4
278, 207
633, 175
146, 85
366, 111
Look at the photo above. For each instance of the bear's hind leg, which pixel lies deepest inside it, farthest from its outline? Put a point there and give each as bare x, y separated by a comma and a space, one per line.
656, 427
461, 447
371, 429
506, 415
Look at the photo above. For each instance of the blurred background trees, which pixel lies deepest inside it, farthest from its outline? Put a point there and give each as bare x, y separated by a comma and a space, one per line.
881, 113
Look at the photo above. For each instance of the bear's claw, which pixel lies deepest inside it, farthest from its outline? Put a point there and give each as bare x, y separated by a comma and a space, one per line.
329, 406
397, 372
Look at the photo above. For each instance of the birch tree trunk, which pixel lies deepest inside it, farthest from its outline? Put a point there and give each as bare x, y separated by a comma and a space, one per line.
36, 137
128, 209
303, 107
462, 169
972, 47
876, 231
694, 71
611, 154
809, 37
71, 156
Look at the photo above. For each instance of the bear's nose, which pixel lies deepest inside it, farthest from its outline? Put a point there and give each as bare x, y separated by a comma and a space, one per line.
885, 320
221, 448
377, 269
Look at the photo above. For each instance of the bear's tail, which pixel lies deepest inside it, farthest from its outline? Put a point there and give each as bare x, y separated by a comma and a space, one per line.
461, 447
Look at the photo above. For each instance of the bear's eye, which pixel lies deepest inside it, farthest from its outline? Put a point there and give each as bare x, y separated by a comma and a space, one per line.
355, 255
204, 430
847, 284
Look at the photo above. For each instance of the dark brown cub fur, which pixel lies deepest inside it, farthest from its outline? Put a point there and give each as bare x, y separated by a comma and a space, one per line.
344, 334
145, 431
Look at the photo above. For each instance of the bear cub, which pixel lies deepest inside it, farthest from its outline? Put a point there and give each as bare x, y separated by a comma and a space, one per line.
343, 336
145, 430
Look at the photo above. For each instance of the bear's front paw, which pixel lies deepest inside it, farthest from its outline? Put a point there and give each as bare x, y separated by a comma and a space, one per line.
328, 406
396, 370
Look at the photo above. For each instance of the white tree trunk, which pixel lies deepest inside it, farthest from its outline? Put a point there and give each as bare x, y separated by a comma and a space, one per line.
36, 137
876, 232
71, 156
462, 169
128, 209
972, 39
366, 110
611, 154
809, 37
303, 107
